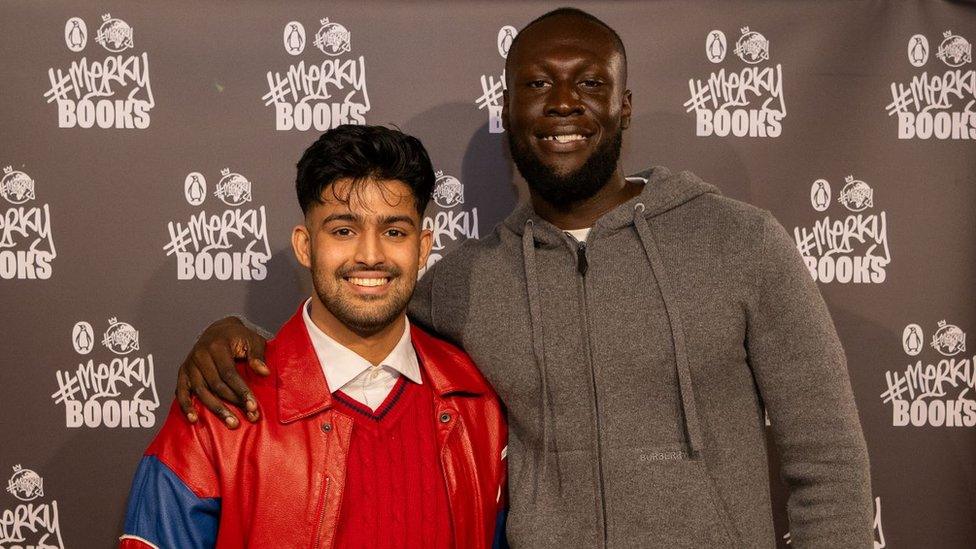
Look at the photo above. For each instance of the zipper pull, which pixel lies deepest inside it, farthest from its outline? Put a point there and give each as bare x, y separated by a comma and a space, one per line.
581, 263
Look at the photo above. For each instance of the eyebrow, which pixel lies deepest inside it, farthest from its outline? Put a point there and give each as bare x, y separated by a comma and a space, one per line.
356, 218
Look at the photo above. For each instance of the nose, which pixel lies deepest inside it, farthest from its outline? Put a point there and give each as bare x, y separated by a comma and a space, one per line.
369, 249
563, 100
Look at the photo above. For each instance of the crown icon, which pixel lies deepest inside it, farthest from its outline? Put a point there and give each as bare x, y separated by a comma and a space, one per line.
113, 320
942, 323
225, 171
745, 30
324, 20
439, 173
107, 17
17, 468
947, 34
849, 179
8, 169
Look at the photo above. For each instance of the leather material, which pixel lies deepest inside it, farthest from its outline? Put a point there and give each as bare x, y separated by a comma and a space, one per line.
281, 481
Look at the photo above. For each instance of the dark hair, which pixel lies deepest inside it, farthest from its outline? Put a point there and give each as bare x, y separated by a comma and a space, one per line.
360, 153
572, 12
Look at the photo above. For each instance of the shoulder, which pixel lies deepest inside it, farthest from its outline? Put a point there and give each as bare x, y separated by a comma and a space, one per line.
449, 368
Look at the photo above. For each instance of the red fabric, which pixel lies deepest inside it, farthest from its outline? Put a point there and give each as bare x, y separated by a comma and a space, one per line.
395, 495
282, 480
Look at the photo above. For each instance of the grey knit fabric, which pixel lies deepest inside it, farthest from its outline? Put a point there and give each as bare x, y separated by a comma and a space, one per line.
636, 391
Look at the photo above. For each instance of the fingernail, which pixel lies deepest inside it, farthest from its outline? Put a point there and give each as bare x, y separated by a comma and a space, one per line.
252, 416
192, 417
231, 421
263, 366
251, 404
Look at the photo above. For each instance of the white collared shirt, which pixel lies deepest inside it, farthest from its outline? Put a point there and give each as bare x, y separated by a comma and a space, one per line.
354, 375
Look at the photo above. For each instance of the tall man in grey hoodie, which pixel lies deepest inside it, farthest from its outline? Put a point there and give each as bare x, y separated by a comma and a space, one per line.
637, 330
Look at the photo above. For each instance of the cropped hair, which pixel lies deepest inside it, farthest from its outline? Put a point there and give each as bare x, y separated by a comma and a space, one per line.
360, 153
573, 12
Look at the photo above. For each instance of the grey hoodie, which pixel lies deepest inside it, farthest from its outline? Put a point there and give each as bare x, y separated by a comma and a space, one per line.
636, 369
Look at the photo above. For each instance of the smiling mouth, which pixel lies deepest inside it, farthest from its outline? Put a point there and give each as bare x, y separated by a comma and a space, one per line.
565, 138
368, 282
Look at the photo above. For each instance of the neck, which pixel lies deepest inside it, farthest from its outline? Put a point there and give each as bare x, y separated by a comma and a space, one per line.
583, 214
373, 346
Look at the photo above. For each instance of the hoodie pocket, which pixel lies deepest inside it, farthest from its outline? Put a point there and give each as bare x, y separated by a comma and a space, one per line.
660, 498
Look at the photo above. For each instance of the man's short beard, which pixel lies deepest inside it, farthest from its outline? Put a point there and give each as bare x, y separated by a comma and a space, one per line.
563, 191
363, 321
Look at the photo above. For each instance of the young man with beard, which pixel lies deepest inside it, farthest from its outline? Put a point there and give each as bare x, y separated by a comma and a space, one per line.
638, 331
377, 434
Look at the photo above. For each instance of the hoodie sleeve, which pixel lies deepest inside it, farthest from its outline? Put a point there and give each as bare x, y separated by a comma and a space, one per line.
801, 371
421, 307
175, 499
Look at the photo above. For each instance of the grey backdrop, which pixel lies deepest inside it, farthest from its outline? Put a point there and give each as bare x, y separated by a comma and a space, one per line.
840, 92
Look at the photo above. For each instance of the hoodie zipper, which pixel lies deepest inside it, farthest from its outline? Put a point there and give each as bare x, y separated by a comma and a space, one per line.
582, 265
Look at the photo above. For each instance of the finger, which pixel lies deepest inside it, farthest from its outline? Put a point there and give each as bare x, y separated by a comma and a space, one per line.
212, 403
205, 365
255, 355
227, 370
243, 392
183, 395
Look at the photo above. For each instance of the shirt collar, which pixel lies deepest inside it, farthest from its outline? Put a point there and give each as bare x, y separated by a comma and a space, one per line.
341, 365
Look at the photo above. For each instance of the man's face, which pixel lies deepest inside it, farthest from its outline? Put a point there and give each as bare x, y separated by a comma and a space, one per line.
565, 108
364, 245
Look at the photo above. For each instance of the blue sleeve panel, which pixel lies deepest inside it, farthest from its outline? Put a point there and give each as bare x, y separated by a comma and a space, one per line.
500, 541
165, 512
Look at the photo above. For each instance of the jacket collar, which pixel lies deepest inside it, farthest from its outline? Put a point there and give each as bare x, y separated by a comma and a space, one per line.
302, 388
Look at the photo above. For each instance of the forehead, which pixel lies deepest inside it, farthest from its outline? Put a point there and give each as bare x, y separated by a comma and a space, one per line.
562, 38
369, 196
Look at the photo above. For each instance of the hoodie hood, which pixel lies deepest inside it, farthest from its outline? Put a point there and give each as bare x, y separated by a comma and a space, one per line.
663, 191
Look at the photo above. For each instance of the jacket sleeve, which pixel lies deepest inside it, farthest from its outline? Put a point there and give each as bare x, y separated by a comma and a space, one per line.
175, 499
801, 372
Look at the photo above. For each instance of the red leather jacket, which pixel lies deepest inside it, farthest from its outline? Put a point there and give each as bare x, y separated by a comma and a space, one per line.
279, 482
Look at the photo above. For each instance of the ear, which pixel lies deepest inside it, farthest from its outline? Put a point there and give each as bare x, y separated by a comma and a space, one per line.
301, 244
625, 110
426, 242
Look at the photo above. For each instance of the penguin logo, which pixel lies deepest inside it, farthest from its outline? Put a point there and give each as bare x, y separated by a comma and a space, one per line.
506, 35
716, 46
293, 38
912, 339
820, 195
75, 34
195, 188
918, 50
83, 338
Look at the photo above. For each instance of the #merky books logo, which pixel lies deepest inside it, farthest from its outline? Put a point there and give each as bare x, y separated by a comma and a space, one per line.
492, 87
850, 248
323, 93
26, 242
450, 224
937, 389
741, 102
937, 106
109, 390
33, 521
230, 245
113, 92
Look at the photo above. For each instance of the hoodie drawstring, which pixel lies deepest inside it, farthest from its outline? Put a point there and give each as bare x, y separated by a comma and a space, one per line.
685, 388
538, 346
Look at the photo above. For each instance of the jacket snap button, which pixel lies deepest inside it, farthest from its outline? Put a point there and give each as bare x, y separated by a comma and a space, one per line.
445, 417
326, 427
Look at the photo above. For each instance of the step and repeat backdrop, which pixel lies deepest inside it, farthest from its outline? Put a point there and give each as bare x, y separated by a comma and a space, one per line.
148, 156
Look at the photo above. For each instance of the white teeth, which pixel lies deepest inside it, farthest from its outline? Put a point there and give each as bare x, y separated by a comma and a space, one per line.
564, 138
369, 281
